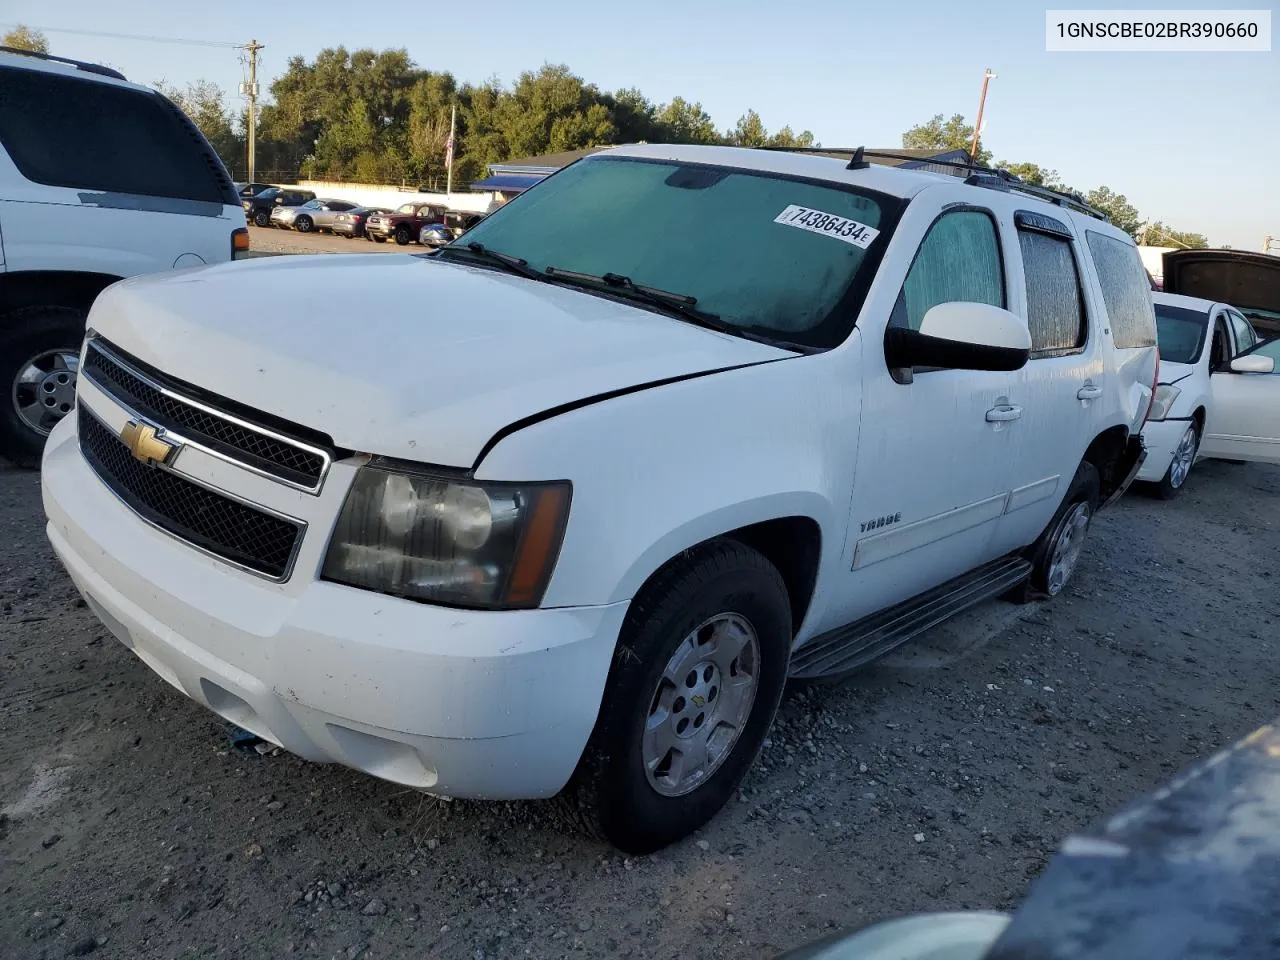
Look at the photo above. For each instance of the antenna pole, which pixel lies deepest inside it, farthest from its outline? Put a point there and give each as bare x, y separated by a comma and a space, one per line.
987, 77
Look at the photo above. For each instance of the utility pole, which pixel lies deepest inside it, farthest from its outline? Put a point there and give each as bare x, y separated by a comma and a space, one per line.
250, 90
448, 150
987, 77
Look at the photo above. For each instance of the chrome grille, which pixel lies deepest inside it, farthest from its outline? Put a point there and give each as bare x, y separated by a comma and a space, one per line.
154, 396
213, 522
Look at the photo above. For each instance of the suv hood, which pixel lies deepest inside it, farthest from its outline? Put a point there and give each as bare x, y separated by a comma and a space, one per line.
399, 355
1248, 281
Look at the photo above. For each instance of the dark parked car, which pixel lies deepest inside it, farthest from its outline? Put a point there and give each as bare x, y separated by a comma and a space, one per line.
351, 223
405, 224
247, 190
258, 208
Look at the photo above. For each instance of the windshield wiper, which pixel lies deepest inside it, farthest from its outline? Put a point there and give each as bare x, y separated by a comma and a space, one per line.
682, 305
678, 303
505, 261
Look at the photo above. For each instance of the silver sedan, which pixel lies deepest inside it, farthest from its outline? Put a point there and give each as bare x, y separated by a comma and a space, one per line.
318, 214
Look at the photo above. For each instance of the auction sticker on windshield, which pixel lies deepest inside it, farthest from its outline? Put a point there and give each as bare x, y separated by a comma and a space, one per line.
828, 224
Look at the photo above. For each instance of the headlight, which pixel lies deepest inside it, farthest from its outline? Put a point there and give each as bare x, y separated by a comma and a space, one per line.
467, 543
1166, 393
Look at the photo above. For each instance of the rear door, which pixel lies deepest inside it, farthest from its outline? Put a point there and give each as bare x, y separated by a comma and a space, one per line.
1062, 385
1243, 420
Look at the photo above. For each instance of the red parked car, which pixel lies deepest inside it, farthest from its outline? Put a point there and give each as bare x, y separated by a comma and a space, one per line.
403, 225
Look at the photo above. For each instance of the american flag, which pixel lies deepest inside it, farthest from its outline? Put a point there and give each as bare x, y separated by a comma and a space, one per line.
448, 152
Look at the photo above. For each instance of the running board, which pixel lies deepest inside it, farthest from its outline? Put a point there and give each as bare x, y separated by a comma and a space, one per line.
843, 650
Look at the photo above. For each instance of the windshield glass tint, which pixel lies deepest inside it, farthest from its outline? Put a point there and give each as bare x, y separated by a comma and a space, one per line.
710, 233
1180, 332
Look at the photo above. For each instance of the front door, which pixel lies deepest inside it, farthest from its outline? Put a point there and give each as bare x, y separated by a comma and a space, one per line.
1243, 421
932, 475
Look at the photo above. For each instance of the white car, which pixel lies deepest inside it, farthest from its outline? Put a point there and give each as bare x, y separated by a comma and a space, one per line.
571, 530
1215, 398
100, 179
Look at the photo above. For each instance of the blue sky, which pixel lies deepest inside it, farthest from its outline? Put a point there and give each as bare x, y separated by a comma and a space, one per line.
1191, 139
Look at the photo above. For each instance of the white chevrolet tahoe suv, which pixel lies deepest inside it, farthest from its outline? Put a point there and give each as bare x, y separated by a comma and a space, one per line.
676, 424
100, 179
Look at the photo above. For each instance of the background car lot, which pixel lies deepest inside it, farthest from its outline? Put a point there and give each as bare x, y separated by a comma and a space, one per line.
940, 778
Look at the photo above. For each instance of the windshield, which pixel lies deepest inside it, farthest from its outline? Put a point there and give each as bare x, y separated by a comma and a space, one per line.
771, 254
406, 208
1180, 332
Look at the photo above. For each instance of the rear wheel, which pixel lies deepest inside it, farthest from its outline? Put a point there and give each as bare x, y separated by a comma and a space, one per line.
696, 680
1184, 458
304, 224
39, 361
1056, 554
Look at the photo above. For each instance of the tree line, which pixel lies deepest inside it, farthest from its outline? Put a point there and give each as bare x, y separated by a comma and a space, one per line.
377, 117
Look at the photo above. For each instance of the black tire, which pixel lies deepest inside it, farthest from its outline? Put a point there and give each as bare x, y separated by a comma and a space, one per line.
1167, 489
1085, 488
26, 334
610, 792
262, 218
378, 239
404, 236
304, 225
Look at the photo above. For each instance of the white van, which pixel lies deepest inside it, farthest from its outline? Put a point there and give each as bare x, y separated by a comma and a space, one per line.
100, 179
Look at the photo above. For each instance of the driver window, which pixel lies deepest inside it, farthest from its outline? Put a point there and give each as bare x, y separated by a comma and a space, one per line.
1221, 343
959, 260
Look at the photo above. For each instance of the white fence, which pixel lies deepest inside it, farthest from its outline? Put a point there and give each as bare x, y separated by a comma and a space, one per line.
373, 195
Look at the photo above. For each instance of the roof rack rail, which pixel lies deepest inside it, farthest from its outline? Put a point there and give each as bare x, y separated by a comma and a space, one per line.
980, 175
81, 64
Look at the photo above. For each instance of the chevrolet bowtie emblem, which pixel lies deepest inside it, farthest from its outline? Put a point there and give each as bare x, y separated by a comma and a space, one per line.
145, 444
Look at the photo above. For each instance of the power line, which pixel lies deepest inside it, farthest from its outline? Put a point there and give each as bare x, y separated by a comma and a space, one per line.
130, 36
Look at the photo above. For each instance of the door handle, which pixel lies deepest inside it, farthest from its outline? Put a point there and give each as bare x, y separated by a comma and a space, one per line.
1089, 392
1003, 414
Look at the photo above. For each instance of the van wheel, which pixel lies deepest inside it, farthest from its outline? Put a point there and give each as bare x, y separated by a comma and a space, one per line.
696, 680
262, 218
1055, 555
39, 360
1184, 457
403, 236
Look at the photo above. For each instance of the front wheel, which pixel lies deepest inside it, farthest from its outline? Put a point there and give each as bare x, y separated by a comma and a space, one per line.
1055, 555
403, 236
39, 361
1184, 458
262, 218
304, 225
378, 239
697, 677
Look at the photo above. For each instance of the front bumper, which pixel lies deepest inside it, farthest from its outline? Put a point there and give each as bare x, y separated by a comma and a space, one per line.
495, 705
1162, 438
380, 229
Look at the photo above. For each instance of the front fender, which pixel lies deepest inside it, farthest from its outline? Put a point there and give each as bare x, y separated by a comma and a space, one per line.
657, 471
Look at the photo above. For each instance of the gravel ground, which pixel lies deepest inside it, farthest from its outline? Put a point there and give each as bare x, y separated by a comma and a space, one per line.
272, 240
941, 778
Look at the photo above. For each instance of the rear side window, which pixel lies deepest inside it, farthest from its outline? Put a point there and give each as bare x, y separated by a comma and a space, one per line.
1055, 306
67, 132
959, 260
1126, 291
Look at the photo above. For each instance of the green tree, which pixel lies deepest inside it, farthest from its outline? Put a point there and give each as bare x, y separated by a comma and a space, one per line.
749, 132
1159, 235
1122, 213
939, 133
1034, 174
24, 38
785, 138
683, 122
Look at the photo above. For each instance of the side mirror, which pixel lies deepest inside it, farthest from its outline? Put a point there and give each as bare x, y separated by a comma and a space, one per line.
961, 336
1253, 363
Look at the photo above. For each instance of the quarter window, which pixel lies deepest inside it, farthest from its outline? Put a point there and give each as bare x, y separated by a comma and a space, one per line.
959, 260
1126, 291
88, 135
1055, 305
